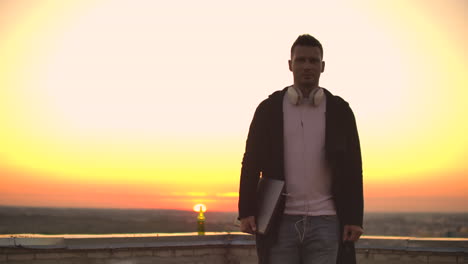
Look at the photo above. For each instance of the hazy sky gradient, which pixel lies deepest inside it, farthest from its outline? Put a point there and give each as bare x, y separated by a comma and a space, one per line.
147, 103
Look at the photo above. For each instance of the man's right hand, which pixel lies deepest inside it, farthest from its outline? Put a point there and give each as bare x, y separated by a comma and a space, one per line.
248, 225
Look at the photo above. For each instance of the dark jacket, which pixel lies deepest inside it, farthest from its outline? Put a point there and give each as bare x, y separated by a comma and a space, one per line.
264, 156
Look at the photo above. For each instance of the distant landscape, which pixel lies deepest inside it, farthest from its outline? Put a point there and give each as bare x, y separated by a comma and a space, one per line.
20, 220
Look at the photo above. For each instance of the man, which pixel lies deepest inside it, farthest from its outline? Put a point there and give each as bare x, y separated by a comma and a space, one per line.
308, 138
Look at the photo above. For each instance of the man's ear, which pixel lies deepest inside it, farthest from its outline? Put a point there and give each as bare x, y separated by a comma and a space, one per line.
323, 66
290, 65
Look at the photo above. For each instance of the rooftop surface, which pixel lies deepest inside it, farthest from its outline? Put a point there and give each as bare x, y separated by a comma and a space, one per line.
192, 239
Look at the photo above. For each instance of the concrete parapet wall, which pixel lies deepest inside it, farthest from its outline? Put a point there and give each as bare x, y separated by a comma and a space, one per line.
411, 250
229, 248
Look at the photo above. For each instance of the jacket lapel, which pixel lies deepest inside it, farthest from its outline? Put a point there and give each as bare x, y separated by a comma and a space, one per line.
277, 125
334, 140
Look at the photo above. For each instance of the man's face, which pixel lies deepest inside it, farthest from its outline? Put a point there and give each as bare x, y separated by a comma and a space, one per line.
306, 65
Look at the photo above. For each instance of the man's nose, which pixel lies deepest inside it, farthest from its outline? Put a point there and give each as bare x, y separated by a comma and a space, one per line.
307, 66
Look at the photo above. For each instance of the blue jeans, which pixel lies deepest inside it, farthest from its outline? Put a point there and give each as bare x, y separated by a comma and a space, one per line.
306, 240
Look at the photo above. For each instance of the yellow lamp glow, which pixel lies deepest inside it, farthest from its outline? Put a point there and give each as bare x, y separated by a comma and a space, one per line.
200, 208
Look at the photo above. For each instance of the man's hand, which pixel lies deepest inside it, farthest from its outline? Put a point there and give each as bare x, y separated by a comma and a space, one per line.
352, 233
248, 225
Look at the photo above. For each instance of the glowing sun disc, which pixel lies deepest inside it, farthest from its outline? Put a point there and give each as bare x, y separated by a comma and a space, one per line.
199, 207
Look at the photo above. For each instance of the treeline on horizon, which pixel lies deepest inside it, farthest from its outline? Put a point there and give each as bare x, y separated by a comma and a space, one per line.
46, 220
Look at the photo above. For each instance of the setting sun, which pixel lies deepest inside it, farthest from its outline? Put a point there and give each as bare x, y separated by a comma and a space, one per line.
199, 208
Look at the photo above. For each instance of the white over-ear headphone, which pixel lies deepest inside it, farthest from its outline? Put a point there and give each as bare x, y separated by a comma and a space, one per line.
315, 96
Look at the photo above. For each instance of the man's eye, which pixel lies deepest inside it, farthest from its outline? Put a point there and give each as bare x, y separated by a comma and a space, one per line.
300, 60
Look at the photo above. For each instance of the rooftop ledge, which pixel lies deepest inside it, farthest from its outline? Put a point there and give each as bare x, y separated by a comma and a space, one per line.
153, 240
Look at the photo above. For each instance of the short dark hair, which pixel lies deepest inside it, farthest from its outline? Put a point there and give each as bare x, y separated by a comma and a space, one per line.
307, 40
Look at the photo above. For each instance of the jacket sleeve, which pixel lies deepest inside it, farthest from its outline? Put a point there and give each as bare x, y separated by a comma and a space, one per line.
354, 190
252, 163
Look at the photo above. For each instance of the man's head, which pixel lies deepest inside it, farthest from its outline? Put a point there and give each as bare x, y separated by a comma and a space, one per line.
306, 62
307, 40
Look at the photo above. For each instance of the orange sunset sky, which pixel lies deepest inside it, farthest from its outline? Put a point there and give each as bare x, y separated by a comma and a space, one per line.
146, 104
